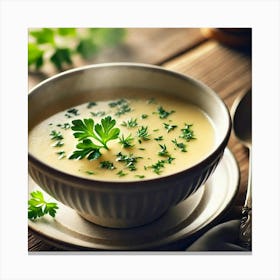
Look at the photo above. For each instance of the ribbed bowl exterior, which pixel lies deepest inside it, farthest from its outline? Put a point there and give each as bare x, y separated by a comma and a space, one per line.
117, 207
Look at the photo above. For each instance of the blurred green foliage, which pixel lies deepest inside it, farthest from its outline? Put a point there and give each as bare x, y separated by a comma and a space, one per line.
59, 45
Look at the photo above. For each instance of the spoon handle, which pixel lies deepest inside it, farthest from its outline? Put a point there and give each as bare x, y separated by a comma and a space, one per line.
246, 228
246, 220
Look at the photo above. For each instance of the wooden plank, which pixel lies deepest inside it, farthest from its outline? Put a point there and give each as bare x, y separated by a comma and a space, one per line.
153, 45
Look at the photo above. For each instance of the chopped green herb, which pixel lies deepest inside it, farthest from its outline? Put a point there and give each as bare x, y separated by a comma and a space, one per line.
64, 126
140, 176
91, 104
58, 143
160, 164
121, 105
61, 154
152, 101
89, 172
56, 135
121, 173
169, 127
123, 109
72, 113
142, 133
163, 152
155, 130
141, 149
38, 206
187, 133
163, 114
181, 146
160, 138
98, 114
85, 129
170, 159
119, 102
129, 160
157, 167
107, 165
126, 142
144, 116
130, 123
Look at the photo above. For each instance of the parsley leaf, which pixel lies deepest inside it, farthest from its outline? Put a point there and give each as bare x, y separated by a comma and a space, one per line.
102, 133
38, 206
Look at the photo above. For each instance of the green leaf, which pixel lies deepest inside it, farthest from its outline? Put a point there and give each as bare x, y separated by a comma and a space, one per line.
107, 36
35, 55
87, 48
106, 131
60, 57
87, 143
38, 207
67, 31
85, 129
43, 36
63, 43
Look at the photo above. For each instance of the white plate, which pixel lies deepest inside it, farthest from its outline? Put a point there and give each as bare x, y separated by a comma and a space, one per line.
181, 223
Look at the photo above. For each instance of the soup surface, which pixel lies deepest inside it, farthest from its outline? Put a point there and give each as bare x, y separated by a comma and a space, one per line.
156, 135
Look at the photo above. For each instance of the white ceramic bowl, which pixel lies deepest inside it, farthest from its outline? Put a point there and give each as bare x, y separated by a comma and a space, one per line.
124, 204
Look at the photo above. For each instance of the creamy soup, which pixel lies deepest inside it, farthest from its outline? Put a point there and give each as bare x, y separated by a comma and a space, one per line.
156, 135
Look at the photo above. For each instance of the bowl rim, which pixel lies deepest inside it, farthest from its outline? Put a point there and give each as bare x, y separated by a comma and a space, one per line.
204, 162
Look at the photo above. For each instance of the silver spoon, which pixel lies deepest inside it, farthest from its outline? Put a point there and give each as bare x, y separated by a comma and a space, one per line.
242, 127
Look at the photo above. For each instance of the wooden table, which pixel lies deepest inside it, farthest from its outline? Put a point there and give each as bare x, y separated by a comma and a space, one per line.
225, 69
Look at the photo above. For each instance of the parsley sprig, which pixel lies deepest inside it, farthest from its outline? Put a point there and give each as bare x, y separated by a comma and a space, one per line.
102, 133
38, 206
